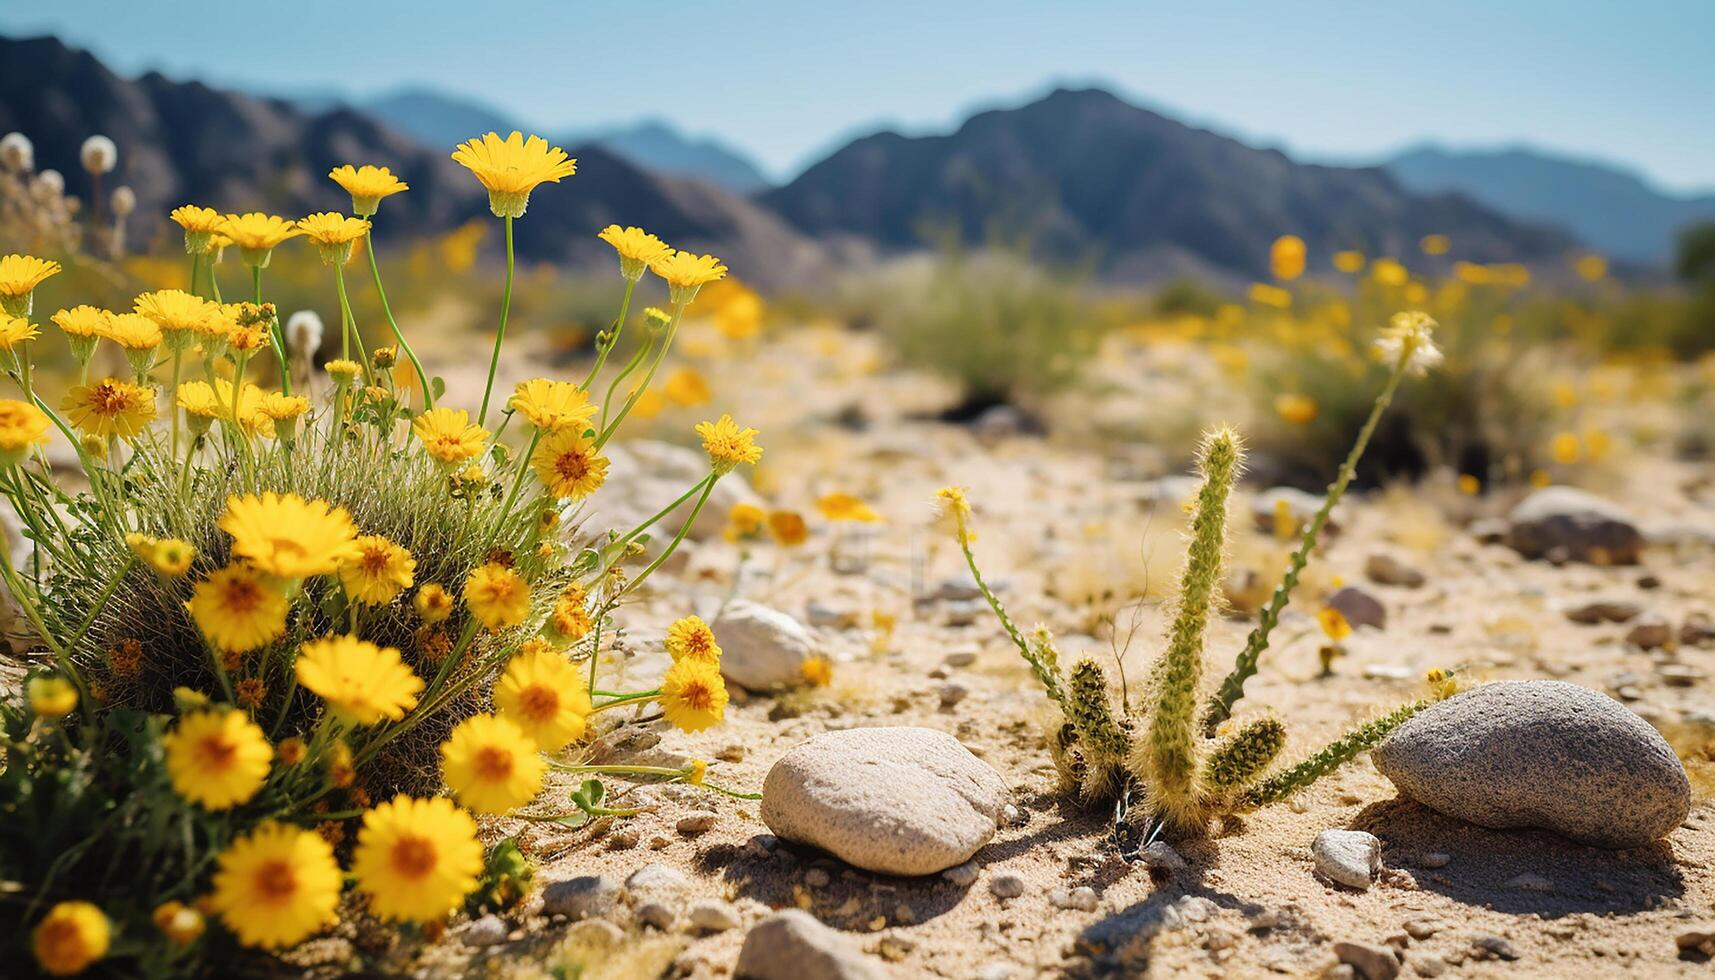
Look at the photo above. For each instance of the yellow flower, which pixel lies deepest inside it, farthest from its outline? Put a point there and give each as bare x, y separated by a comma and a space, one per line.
70, 938
200, 225
417, 859
1591, 267
727, 444
957, 509
238, 608
15, 330
686, 387
277, 886
179, 314
51, 696
367, 185
512, 167
19, 276
82, 322
817, 671
1469, 485
693, 696
1435, 244
699, 771
544, 695
497, 596
1334, 623
256, 235
636, 247
22, 427
1286, 258
691, 638
177, 921
745, 520
358, 679
217, 758
1294, 408
571, 619
432, 603
283, 410
1266, 295
1389, 272
343, 370
380, 571
169, 556
553, 405
685, 273
491, 765
333, 234
1565, 448
449, 436
568, 465
1408, 341
788, 528
110, 407
288, 536
132, 331
845, 507
1349, 262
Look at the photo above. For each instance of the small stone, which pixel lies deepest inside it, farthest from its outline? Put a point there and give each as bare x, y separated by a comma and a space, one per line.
584, 897
659, 843
490, 930
1650, 632
1422, 928
595, 934
961, 588
1006, 885
657, 880
1429, 965
731, 753
1698, 941
1080, 899
1578, 526
1605, 611
1680, 675
1385, 569
1495, 946
762, 648
792, 945
1161, 857
1489, 530
623, 840
827, 617
817, 878
1697, 630
962, 875
963, 612
894, 948
713, 916
1359, 607
658, 915
960, 658
1528, 882
1370, 962
953, 693
1347, 857
696, 823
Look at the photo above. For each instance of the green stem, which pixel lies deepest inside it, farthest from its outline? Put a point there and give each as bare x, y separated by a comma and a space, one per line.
684, 529
274, 334
628, 699
643, 350
613, 339
399, 335
642, 386
500, 334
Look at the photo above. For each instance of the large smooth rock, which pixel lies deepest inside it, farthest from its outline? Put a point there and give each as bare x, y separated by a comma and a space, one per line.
1543, 754
1568, 523
901, 801
644, 476
792, 945
762, 648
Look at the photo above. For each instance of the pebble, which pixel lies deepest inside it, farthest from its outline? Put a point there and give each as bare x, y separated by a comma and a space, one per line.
817, 878
1421, 928
1697, 630
713, 916
696, 823
1359, 607
1429, 965
1385, 569
623, 840
1347, 857
584, 897
1605, 611
1301, 505
1680, 675
962, 875
1574, 525
827, 617
953, 693
658, 915
792, 945
1435, 859
1698, 941
903, 801
1528, 882
1162, 857
1006, 885
1370, 962
762, 648
1650, 632
960, 658
1080, 899
654, 880
1543, 754
1496, 946
490, 930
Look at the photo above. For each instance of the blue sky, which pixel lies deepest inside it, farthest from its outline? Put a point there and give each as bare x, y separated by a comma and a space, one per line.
783, 79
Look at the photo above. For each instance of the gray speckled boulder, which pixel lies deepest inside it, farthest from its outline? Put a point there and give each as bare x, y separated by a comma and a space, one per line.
1543, 754
901, 801
1567, 522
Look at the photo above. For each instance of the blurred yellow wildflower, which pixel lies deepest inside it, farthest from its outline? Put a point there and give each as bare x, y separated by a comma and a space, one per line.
218, 759
1286, 258
276, 886
417, 859
367, 185
71, 938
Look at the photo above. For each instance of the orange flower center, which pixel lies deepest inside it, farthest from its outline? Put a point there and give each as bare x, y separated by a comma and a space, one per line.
697, 695
242, 596
109, 399
217, 752
572, 466
276, 882
375, 560
539, 702
494, 763
414, 857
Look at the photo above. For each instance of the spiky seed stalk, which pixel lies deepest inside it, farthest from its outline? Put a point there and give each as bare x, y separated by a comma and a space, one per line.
1367, 736
1242, 757
1068, 759
1169, 754
1090, 711
1232, 688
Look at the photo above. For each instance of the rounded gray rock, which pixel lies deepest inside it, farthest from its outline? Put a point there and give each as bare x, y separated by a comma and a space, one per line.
762, 648
792, 945
1543, 754
1579, 525
901, 801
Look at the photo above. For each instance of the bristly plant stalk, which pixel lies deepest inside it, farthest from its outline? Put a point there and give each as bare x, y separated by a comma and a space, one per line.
1367, 736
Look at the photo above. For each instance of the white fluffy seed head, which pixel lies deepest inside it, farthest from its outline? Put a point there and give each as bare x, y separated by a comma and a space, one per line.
304, 333
17, 153
49, 185
99, 155
124, 201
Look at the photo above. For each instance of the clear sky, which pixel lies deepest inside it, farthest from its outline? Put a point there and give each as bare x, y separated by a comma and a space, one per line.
782, 79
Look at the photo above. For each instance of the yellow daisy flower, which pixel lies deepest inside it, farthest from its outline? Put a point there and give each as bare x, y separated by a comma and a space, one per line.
178, 313
690, 637
333, 234
72, 937
845, 507
817, 671
288, 536
277, 886
367, 185
512, 167
432, 603
727, 444
553, 405
380, 571
498, 596
81, 321
181, 924
490, 765
110, 407
51, 697
23, 426
636, 247
169, 556
693, 695
417, 859
568, 465
1333, 623
545, 696
218, 759
239, 608
15, 330
19, 276
745, 520
256, 235
686, 272
358, 679
571, 618
135, 333
199, 224
787, 527
449, 436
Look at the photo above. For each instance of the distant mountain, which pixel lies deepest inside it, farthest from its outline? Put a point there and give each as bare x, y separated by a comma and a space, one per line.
438, 120
1614, 210
1086, 176
663, 149
184, 142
